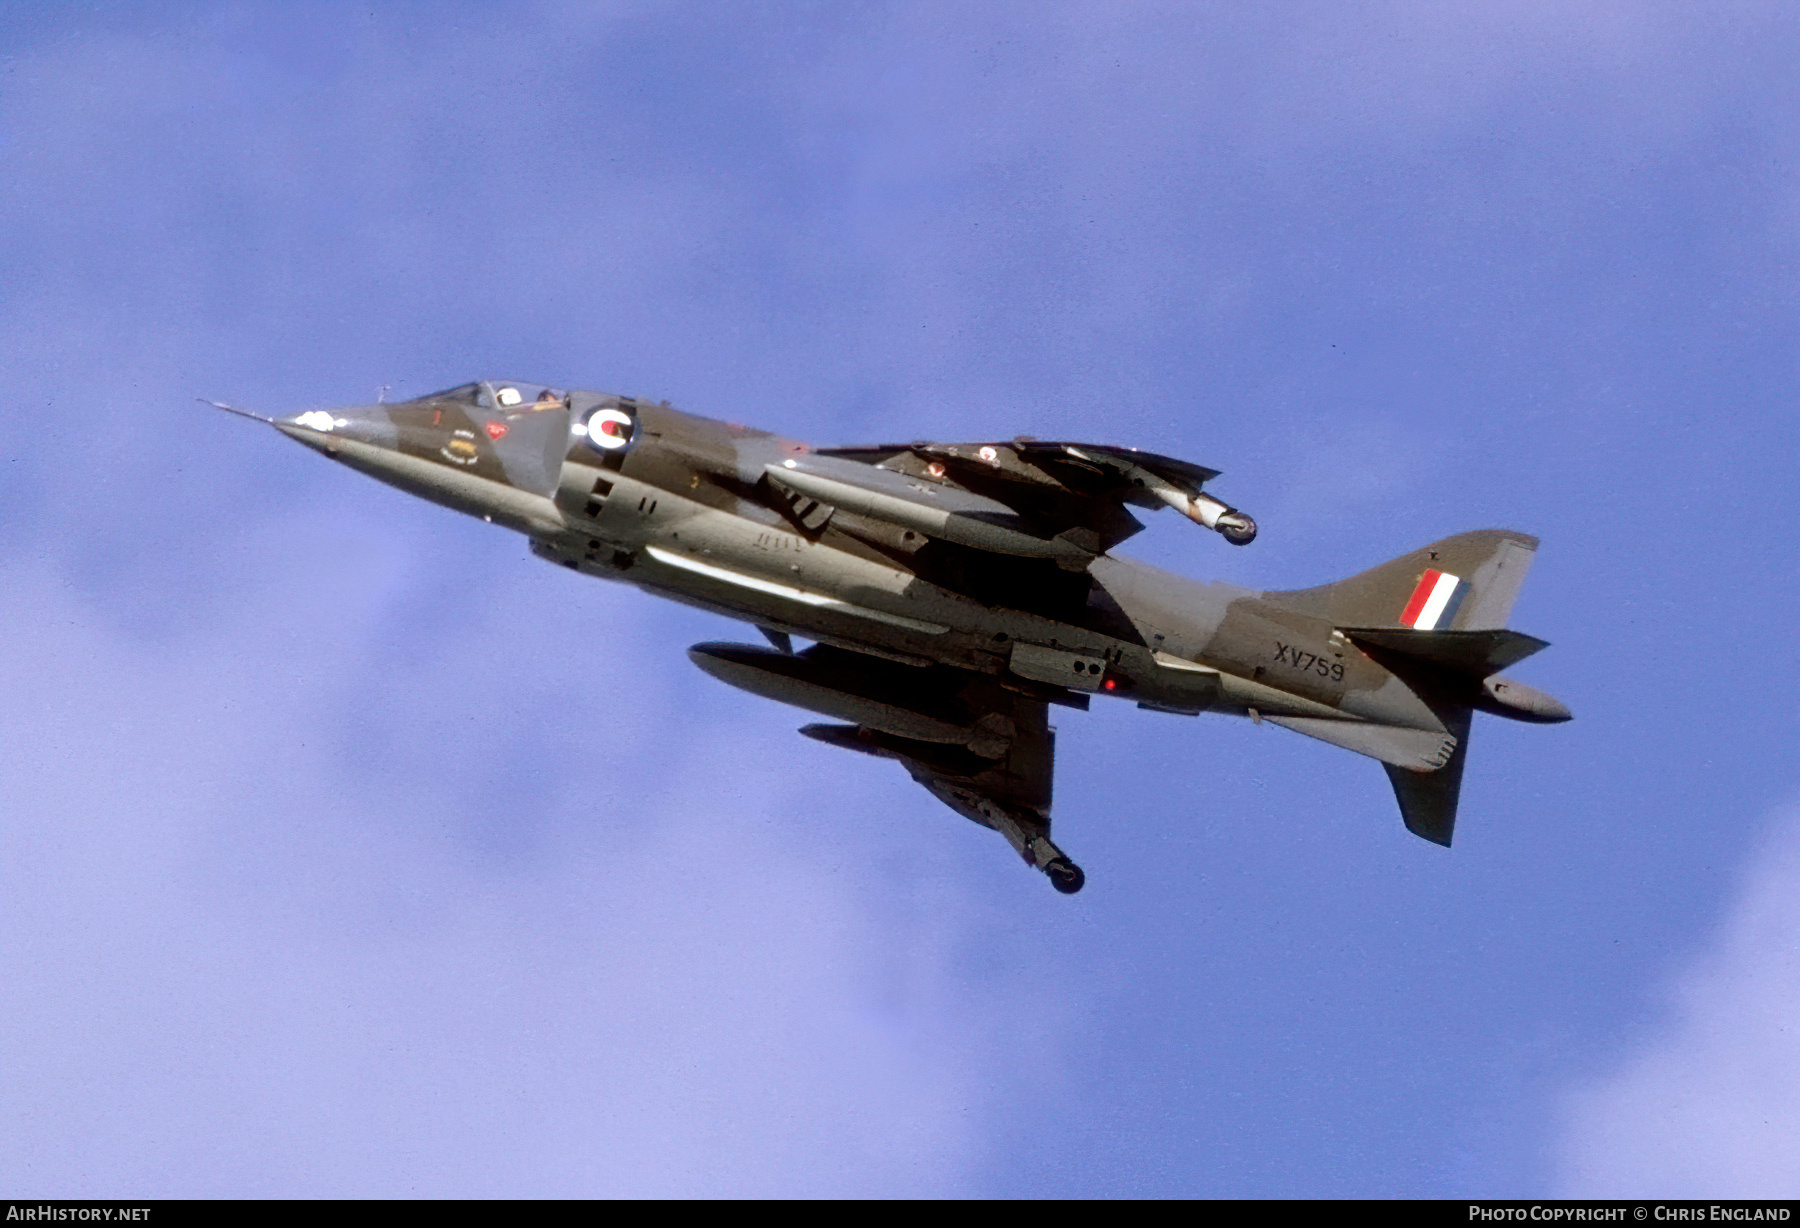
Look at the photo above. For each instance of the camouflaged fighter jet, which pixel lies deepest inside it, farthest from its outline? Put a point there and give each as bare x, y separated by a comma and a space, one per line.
952, 592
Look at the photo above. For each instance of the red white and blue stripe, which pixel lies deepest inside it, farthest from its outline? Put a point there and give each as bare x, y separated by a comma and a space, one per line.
1434, 603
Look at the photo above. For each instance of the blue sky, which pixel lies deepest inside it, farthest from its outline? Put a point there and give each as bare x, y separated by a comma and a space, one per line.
348, 850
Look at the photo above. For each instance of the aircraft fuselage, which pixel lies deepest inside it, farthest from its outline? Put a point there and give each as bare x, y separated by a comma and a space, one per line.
678, 517
952, 591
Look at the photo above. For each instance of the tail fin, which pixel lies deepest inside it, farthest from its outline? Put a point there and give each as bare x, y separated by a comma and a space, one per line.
1463, 583
1437, 619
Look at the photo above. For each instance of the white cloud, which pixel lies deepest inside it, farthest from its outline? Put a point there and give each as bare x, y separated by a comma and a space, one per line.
391, 868
292, 915
334, 858
1711, 1107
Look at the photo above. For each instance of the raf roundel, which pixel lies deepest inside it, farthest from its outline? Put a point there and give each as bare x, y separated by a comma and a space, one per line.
609, 429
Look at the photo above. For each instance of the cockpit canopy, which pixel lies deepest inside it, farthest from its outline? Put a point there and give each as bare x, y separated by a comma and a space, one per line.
503, 396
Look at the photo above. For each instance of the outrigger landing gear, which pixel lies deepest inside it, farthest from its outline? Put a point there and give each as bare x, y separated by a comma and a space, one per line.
1065, 875
1038, 852
1237, 528
1011, 797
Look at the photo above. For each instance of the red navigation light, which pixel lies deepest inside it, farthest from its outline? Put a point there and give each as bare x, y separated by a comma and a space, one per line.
1111, 684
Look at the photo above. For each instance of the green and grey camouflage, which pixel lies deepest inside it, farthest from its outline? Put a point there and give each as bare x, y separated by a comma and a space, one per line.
952, 592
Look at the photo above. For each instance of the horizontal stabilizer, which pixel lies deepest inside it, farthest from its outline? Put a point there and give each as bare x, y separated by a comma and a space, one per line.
1476, 653
1420, 750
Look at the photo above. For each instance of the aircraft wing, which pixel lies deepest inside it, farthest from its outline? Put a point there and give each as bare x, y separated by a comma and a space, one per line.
1001, 779
1064, 501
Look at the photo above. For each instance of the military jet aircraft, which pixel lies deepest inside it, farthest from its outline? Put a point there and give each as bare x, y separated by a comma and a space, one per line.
953, 592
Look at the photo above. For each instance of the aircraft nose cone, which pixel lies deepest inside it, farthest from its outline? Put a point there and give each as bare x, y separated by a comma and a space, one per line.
322, 428
312, 428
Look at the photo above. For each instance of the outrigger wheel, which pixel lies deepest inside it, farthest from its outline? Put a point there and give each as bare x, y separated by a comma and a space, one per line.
1065, 875
1237, 528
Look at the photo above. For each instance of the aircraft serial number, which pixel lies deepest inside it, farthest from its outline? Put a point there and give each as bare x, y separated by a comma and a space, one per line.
1309, 662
